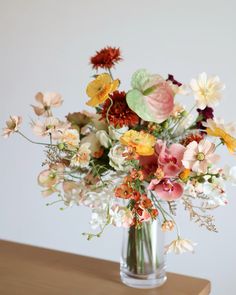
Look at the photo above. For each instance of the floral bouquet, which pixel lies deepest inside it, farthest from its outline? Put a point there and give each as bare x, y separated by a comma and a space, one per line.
136, 156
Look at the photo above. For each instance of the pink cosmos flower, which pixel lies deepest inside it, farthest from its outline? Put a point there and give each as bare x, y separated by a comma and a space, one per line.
12, 126
166, 189
49, 178
52, 126
198, 156
45, 102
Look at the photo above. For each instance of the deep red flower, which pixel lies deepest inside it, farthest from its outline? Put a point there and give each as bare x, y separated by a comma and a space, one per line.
207, 113
172, 79
204, 115
118, 111
106, 58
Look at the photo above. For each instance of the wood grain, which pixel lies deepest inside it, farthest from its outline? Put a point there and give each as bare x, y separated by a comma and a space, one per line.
27, 270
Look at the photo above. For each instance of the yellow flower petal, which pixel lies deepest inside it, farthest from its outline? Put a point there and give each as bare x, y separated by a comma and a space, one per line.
99, 89
228, 140
141, 141
143, 150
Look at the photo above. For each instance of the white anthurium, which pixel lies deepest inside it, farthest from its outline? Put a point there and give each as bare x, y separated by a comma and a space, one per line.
116, 133
103, 138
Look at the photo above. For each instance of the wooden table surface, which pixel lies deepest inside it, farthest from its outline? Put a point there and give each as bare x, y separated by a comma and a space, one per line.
27, 270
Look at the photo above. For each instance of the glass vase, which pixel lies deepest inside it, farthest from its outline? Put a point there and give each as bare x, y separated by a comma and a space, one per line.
142, 258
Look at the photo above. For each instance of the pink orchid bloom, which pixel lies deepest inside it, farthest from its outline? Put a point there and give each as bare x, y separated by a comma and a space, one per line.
152, 185
166, 189
170, 159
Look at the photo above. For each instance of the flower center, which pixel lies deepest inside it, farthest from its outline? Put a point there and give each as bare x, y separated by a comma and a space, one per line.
200, 156
205, 92
48, 127
167, 186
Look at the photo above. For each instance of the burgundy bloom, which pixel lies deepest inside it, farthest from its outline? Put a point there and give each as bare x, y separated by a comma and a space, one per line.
172, 79
106, 58
204, 115
118, 112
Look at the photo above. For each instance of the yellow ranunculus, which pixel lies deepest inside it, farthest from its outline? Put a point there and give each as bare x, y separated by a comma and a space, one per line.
99, 89
142, 142
228, 140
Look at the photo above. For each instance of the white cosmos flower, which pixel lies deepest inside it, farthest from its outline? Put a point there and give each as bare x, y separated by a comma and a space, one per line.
207, 90
180, 246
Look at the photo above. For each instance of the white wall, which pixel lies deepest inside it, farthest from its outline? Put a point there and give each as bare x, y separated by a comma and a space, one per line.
45, 45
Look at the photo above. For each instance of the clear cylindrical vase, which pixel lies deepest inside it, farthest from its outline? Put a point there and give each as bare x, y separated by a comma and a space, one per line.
142, 258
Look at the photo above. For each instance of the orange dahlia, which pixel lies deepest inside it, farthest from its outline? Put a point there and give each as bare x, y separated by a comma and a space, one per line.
106, 58
118, 112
